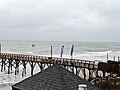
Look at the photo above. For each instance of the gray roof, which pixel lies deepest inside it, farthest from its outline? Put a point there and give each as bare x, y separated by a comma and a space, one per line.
55, 77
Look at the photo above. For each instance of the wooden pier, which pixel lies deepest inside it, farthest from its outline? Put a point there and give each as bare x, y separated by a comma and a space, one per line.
9, 61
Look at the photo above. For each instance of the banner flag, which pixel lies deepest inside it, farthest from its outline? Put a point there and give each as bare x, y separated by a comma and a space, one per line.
71, 53
61, 54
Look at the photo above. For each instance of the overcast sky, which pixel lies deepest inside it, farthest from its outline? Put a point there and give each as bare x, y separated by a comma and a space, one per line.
60, 20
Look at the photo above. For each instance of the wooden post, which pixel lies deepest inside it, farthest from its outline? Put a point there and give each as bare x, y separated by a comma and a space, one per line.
76, 71
24, 65
107, 56
41, 66
0, 50
89, 75
51, 51
118, 58
2, 66
84, 71
9, 66
89, 71
31, 64
103, 74
16, 67
114, 58
97, 75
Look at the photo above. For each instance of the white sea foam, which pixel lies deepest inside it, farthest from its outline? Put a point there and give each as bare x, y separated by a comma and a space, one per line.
29, 53
7, 51
100, 53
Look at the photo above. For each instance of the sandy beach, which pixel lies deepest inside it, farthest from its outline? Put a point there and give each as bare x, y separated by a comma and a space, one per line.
6, 88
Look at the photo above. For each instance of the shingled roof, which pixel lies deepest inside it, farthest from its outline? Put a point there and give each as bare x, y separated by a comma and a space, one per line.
55, 77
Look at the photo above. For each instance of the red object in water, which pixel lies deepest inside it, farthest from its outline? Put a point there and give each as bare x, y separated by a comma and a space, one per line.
33, 45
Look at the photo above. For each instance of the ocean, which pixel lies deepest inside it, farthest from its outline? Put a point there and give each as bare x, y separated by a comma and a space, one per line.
93, 51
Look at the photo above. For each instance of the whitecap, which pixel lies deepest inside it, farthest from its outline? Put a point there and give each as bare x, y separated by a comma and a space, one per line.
29, 53
100, 53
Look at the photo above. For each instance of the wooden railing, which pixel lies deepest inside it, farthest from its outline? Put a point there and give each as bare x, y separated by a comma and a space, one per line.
51, 60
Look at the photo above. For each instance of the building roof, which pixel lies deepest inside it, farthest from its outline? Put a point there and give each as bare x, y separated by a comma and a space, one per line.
55, 77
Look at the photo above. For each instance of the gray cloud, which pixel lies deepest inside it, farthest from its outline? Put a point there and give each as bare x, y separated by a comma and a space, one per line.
88, 20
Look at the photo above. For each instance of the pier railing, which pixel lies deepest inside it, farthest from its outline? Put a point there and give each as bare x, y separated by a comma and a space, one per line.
51, 60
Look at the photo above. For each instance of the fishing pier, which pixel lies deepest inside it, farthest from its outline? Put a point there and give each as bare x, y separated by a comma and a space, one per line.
9, 61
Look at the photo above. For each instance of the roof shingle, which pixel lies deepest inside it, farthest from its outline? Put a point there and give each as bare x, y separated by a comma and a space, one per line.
55, 77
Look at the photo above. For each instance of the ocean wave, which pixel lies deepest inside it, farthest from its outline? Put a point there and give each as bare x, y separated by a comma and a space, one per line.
101, 53
28, 53
45, 51
8, 51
